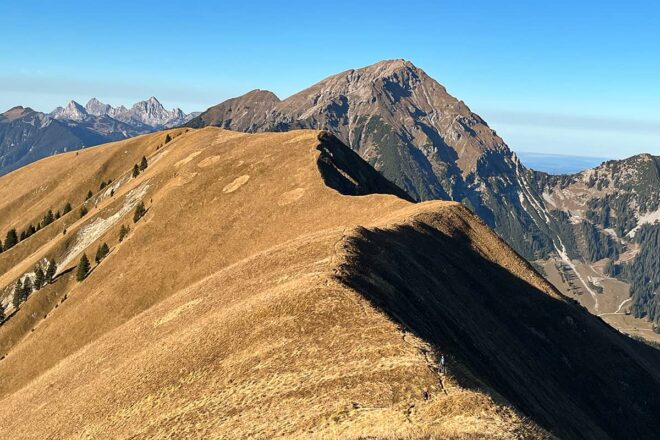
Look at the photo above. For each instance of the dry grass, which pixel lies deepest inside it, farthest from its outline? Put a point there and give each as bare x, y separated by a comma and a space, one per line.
220, 315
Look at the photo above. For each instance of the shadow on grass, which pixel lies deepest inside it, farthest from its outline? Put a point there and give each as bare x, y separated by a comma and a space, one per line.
563, 367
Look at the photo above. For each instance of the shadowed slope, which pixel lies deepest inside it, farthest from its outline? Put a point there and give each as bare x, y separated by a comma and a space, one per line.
437, 276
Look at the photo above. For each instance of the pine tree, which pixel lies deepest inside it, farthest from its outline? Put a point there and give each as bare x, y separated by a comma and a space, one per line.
83, 211
102, 185
67, 208
18, 291
83, 268
51, 270
136, 170
58, 214
27, 289
89, 195
39, 277
139, 212
101, 252
11, 239
143, 164
1, 247
123, 232
168, 138
48, 218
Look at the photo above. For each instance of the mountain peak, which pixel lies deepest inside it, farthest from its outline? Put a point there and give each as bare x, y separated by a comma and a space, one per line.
16, 112
97, 108
73, 111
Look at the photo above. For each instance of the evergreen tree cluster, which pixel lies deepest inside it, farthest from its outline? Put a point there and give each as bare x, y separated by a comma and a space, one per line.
13, 238
25, 286
138, 168
598, 245
643, 274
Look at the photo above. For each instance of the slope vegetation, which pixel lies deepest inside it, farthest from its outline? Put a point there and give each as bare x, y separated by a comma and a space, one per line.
279, 286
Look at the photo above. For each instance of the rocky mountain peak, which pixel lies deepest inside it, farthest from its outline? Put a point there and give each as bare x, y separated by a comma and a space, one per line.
15, 113
73, 111
97, 108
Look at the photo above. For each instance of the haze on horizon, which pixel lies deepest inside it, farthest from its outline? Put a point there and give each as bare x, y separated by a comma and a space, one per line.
554, 78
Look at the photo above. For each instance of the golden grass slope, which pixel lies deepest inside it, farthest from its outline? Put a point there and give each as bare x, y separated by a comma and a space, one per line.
227, 312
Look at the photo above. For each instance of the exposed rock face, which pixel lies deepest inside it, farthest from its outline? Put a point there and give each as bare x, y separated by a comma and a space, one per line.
150, 113
26, 135
245, 113
407, 126
614, 212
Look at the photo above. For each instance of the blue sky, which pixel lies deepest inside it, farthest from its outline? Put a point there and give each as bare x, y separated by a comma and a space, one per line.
558, 77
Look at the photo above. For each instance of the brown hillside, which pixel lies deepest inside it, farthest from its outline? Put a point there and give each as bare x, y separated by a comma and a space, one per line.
271, 291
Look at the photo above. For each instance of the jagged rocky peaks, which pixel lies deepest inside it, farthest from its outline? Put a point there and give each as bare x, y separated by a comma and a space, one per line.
150, 113
27, 135
73, 111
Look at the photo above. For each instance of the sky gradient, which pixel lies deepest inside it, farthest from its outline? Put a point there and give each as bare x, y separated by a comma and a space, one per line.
552, 77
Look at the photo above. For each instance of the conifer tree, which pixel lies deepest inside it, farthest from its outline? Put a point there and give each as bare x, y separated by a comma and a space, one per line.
143, 164
48, 218
39, 277
103, 185
18, 291
123, 232
67, 208
168, 138
136, 170
139, 212
101, 252
1, 247
11, 239
83, 268
83, 211
89, 195
50, 271
27, 289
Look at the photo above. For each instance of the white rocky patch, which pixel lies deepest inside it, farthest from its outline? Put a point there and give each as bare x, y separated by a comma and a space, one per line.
94, 230
648, 218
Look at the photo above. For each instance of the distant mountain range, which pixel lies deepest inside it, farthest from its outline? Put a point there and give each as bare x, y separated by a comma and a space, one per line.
431, 144
27, 135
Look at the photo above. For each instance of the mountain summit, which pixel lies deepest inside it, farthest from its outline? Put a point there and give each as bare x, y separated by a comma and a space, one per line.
410, 128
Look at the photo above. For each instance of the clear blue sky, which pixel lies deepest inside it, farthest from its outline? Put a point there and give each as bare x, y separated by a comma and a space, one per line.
580, 77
